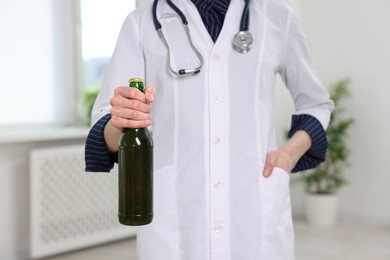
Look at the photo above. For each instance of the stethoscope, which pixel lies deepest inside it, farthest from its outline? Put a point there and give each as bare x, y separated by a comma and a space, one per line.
242, 41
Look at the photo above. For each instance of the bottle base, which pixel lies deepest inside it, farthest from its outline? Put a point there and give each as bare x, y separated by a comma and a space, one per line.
135, 220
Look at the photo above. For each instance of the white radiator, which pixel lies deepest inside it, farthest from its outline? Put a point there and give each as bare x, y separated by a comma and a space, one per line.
71, 209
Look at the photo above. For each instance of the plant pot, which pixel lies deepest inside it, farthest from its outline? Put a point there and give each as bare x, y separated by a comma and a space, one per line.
321, 209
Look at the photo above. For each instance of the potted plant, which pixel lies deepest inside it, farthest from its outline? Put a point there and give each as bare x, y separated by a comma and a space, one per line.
89, 96
322, 183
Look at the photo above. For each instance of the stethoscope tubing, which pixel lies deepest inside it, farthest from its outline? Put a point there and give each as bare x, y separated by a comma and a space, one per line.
157, 24
244, 25
241, 42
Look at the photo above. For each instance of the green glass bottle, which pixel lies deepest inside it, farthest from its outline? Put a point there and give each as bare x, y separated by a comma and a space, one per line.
135, 159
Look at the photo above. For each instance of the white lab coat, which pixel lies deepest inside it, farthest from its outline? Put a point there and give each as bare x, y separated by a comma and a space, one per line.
212, 131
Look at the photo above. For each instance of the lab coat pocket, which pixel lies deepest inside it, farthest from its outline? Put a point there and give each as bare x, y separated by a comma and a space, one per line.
277, 231
275, 197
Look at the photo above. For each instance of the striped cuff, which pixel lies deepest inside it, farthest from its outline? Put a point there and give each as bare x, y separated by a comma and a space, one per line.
97, 156
316, 154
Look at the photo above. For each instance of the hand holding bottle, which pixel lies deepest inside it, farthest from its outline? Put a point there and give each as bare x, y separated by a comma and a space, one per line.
131, 108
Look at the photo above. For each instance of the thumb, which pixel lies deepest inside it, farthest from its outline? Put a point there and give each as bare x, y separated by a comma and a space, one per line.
149, 94
269, 164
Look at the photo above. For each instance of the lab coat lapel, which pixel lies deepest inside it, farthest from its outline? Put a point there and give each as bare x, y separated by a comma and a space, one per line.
230, 26
199, 33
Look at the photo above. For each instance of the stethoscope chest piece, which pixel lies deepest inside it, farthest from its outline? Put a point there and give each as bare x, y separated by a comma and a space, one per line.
242, 41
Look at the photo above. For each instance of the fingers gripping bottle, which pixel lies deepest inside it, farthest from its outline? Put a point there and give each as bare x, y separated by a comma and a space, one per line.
135, 159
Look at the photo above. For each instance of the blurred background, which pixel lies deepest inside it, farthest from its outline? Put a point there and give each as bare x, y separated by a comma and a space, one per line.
53, 56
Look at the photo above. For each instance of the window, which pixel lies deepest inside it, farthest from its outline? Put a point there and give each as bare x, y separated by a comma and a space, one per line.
26, 51
101, 21
40, 53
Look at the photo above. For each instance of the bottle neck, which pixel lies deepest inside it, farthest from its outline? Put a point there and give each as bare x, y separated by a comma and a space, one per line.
138, 85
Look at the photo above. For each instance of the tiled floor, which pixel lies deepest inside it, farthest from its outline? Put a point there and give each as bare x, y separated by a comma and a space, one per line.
346, 241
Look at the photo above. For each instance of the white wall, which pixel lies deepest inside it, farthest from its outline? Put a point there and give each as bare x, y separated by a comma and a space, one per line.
351, 38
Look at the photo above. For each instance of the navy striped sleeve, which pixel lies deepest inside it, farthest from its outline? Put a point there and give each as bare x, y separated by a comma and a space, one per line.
97, 156
317, 152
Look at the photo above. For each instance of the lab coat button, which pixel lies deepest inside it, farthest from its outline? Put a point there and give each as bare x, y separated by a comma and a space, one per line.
217, 184
218, 99
217, 142
216, 56
217, 228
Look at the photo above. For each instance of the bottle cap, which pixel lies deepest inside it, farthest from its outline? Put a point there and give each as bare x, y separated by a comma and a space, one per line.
136, 80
